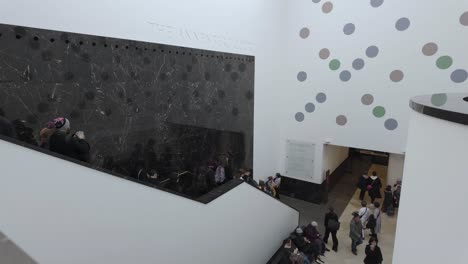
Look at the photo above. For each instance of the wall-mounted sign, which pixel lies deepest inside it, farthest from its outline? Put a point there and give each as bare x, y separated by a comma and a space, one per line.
300, 158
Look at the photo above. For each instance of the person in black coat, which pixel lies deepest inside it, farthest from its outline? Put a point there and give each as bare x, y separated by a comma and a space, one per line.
388, 199
362, 185
373, 253
331, 218
304, 245
375, 186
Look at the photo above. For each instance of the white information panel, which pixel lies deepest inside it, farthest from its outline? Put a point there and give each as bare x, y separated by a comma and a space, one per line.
300, 158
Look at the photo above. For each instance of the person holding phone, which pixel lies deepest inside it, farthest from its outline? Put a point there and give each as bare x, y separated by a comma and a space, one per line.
373, 253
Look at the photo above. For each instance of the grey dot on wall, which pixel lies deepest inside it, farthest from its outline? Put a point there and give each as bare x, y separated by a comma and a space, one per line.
367, 99
324, 54
464, 19
341, 120
396, 75
304, 33
358, 64
402, 24
321, 97
430, 49
349, 29
459, 76
310, 107
372, 51
299, 116
345, 76
316, 1
302, 76
391, 124
376, 3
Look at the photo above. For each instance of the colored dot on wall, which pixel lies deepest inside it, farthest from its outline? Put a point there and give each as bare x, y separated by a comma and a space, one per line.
439, 99
349, 29
316, 1
358, 64
402, 24
302, 76
376, 3
367, 99
341, 120
304, 33
430, 49
345, 76
324, 54
396, 75
299, 116
334, 64
459, 76
372, 51
378, 111
310, 107
321, 97
464, 19
391, 124
327, 7
444, 62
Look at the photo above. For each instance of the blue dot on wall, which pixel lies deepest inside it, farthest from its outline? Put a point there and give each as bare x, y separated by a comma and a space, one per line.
302, 76
358, 64
372, 51
345, 76
376, 3
310, 107
321, 97
459, 76
299, 117
402, 24
391, 124
349, 29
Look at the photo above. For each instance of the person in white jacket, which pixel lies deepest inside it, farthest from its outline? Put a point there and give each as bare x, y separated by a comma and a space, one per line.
364, 214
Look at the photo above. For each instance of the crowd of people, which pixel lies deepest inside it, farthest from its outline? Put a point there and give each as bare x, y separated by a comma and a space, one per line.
306, 245
56, 136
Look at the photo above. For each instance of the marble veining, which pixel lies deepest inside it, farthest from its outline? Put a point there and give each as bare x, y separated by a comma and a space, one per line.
130, 98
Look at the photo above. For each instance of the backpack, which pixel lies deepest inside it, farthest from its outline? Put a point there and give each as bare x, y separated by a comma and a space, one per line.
333, 225
371, 222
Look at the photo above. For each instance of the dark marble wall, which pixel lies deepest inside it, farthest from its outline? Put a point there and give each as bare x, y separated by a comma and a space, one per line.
183, 105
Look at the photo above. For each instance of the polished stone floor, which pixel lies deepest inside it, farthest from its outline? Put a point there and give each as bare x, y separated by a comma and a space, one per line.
312, 212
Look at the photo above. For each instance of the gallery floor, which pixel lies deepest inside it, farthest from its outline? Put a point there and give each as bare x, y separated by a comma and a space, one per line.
312, 212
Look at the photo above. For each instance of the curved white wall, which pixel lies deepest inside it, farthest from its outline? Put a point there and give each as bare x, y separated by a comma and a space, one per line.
60, 212
432, 217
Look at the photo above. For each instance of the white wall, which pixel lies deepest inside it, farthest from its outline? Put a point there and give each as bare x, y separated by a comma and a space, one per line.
61, 212
333, 156
431, 21
252, 27
432, 216
396, 163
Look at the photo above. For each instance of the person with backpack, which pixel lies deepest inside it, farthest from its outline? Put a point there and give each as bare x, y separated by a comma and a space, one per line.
364, 213
332, 225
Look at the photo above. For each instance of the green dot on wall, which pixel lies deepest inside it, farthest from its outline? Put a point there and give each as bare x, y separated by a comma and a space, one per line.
444, 62
334, 64
378, 111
